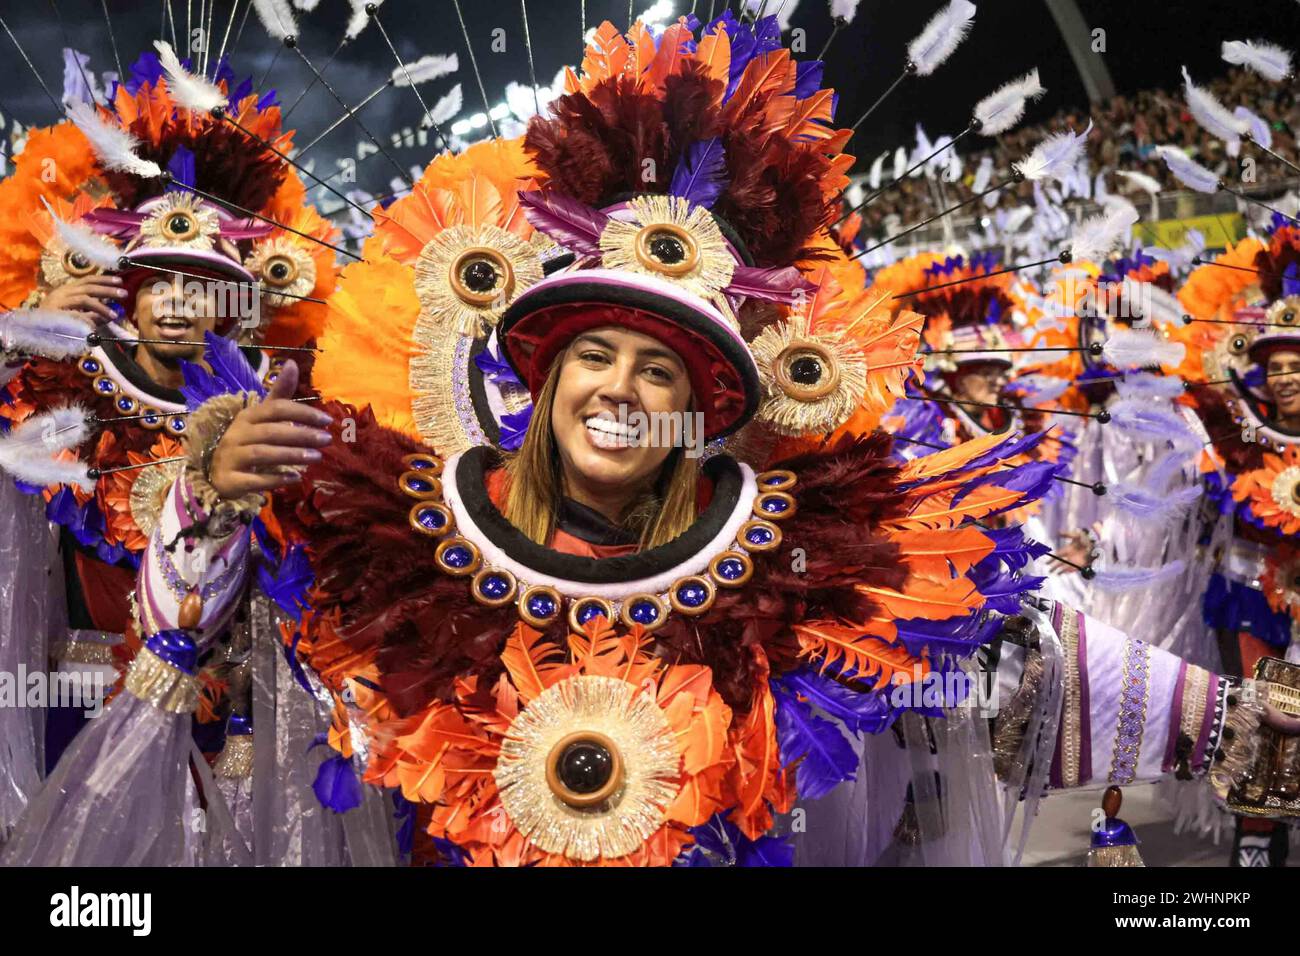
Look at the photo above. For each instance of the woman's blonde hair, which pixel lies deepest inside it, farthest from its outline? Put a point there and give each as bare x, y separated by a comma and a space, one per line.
536, 485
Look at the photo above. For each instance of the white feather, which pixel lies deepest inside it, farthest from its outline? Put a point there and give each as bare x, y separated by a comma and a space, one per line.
47, 332
1004, 107
96, 249
189, 91
28, 451
1256, 126
1096, 236
1017, 218
1055, 156
357, 22
877, 170
1112, 203
1144, 385
844, 8
1141, 348
426, 68
1140, 181
447, 108
1269, 60
1211, 115
277, 17
1187, 170
945, 31
1147, 301
306, 6
785, 12
114, 147
900, 162
983, 174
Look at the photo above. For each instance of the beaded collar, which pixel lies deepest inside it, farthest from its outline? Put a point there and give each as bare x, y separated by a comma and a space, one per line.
683, 577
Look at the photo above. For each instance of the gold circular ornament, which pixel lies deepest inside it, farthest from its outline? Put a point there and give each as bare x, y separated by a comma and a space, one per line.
494, 587
418, 484
465, 277
480, 275
181, 219
1285, 312
731, 569
151, 418
458, 557
667, 248
780, 479
587, 711
812, 381
645, 609
149, 494
579, 607
76, 265
283, 266
425, 464
774, 505
758, 535
584, 769
539, 605
431, 518
696, 583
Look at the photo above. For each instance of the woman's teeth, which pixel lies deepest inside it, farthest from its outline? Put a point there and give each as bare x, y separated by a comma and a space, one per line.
607, 433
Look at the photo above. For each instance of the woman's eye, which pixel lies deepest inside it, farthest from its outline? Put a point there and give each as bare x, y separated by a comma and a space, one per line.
597, 357
661, 374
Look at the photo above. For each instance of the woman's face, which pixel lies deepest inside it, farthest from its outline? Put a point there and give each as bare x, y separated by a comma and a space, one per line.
607, 377
981, 382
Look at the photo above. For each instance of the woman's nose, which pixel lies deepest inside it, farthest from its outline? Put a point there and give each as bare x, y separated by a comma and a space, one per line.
619, 385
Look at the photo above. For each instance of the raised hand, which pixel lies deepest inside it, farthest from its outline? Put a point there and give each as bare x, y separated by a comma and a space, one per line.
87, 297
264, 437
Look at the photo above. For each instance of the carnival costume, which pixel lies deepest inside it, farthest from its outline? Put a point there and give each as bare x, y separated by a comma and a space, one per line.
589, 702
130, 199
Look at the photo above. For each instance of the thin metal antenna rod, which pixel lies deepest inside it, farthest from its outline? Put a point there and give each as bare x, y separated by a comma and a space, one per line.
1064, 257
63, 28
58, 107
314, 80
528, 45
292, 43
256, 215
226, 36
338, 122
939, 215
108, 21
473, 62
907, 172
426, 116
908, 70
222, 114
126, 262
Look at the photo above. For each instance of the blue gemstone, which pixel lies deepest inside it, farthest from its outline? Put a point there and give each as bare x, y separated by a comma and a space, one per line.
431, 518
126, 403
774, 506
90, 365
494, 586
420, 464
178, 424
152, 419
106, 386
457, 557
773, 479
416, 483
759, 535
692, 594
731, 568
644, 613
541, 606
589, 610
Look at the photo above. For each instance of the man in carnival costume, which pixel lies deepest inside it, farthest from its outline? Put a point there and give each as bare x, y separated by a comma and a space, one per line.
1242, 356
565, 640
135, 291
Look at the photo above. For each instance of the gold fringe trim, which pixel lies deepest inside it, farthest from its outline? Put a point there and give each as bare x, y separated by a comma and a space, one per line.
1070, 717
1241, 750
789, 414
156, 682
1115, 856
1013, 720
436, 290
206, 427
236, 757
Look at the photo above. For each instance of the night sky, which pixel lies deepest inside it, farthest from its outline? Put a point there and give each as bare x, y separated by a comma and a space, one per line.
1146, 40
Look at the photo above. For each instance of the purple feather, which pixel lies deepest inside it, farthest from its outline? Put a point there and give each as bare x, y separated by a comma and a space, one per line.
181, 167
229, 366
572, 224
719, 840
287, 584
955, 637
1290, 282
776, 285
199, 384
701, 174
495, 367
860, 712
336, 785
514, 428
114, 222
828, 758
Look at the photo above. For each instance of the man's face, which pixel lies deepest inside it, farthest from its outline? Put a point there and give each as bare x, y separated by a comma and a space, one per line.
177, 310
601, 372
981, 383
1283, 382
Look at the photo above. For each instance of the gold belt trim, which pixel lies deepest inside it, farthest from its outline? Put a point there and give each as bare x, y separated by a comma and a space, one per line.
156, 682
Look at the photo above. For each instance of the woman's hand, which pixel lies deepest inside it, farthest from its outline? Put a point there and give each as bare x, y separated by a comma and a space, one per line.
87, 297
275, 432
